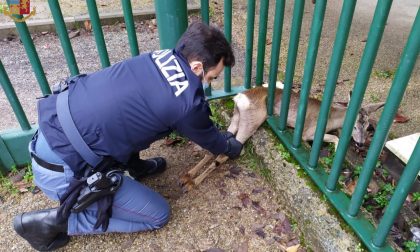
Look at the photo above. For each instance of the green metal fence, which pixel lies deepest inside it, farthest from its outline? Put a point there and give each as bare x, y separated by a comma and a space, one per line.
172, 21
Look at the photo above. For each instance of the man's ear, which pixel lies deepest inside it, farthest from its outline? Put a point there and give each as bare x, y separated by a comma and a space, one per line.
197, 67
370, 108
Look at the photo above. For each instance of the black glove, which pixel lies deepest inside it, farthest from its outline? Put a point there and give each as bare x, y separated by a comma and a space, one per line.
234, 148
69, 198
227, 134
104, 212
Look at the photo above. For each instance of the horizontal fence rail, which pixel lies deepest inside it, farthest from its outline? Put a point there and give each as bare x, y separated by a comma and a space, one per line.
173, 15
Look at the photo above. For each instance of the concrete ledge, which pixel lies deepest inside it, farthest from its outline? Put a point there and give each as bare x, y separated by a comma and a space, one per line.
40, 25
321, 230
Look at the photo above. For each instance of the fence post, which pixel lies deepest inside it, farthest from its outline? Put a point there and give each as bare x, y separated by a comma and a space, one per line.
172, 20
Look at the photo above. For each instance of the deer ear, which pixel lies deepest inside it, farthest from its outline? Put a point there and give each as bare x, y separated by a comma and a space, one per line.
370, 108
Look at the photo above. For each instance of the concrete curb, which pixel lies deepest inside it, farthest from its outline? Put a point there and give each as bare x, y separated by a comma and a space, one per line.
41, 25
321, 230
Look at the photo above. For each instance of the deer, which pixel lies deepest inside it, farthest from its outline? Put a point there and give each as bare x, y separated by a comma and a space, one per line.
250, 112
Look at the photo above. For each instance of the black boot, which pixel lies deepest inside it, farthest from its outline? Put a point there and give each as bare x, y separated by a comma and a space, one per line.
41, 229
138, 168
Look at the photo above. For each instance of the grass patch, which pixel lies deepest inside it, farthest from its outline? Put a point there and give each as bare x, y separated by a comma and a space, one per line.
10, 187
251, 160
384, 74
216, 116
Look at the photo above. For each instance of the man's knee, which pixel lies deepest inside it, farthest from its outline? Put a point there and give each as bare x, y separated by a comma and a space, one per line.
163, 218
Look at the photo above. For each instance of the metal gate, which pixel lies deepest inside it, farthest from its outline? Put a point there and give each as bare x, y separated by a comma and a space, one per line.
173, 14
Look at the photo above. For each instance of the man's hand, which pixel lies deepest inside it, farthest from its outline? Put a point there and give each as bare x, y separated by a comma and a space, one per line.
234, 148
227, 134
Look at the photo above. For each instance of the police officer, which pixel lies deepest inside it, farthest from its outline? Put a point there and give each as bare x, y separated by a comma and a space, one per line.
119, 111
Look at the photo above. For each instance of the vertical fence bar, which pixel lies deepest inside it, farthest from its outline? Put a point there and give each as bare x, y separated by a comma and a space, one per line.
13, 99
249, 43
368, 59
262, 35
205, 16
291, 60
275, 52
97, 30
228, 35
26, 39
399, 84
172, 21
316, 29
332, 76
403, 188
130, 27
61, 29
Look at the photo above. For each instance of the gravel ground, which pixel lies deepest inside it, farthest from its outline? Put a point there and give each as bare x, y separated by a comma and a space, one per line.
211, 216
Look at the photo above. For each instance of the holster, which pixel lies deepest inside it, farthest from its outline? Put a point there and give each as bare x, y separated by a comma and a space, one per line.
98, 186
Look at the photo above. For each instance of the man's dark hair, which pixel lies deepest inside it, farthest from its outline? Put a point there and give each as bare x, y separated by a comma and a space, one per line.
206, 44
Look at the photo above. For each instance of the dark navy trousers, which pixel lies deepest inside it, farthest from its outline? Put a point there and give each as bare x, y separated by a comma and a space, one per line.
135, 207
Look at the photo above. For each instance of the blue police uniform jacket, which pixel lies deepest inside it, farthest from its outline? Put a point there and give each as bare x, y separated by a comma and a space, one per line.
124, 108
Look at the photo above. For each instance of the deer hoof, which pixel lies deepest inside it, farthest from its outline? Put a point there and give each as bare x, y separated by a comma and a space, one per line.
184, 179
187, 186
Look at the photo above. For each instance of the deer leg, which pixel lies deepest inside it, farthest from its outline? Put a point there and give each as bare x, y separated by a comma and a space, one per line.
250, 121
186, 180
328, 138
234, 122
219, 160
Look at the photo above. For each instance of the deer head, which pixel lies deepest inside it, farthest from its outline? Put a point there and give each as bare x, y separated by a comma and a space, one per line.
360, 129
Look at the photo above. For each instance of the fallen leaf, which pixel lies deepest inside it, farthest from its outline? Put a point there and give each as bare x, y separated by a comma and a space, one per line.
244, 197
172, 141
220, 184
400, 118
260, 232
88, 25
373, 187
35, 190
279, 216
351, 186
292, 242
256, 206
223, 192
283, 227
22, 186
270, 241
235, 170
16, 177
242, 230
257, 190
324, 153
277, 238
74, 34
252, 175
243, 247
293, 248
127, 244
